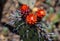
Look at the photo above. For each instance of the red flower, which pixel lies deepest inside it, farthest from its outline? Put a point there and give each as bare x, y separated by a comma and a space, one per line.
31, 19
24, 7
41, 13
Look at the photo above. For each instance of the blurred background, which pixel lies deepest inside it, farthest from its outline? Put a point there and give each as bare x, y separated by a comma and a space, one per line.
52, 18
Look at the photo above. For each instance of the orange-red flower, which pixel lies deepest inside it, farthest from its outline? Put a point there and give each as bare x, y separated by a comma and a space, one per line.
41, 13
24, 7
31, 19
